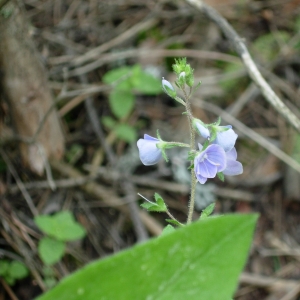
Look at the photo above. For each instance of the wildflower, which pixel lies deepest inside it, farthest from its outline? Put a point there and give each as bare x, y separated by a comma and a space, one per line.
233, 167
149, 153
203, 130
225, 137
168, 88
209, 162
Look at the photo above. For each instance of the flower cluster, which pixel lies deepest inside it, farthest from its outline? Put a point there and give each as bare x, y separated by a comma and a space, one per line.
217, 155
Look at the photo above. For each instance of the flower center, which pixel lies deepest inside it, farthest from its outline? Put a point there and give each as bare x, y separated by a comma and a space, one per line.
203, 157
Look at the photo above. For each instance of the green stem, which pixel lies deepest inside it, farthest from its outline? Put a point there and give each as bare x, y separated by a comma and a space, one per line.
193, 148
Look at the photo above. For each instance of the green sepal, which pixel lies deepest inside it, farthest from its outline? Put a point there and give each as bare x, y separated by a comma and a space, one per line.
218, 122
191, 155
206, 144
164, 155
169, 92
213, 134
178, 99
221, 176
174, 222
168, 229
191, 167
207, 211
158, 135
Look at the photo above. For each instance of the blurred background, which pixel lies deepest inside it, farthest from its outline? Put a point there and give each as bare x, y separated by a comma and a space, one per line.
80, 83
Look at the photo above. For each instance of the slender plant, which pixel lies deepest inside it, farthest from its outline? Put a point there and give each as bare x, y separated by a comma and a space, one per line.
216, 156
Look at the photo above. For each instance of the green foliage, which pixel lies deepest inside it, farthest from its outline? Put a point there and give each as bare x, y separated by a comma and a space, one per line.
268, 45
158, 206
126, 82
60, 228
168, 229
185, 264
207, 211
51, 250
126, 133
12, 271
121, 103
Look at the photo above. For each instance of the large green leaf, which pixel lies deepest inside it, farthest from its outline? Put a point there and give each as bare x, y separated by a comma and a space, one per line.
62, 226
199, 261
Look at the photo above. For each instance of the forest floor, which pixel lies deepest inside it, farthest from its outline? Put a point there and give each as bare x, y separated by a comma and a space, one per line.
79, 42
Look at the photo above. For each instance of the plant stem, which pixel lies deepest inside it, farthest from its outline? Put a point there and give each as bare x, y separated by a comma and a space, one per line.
193, 148
173, 218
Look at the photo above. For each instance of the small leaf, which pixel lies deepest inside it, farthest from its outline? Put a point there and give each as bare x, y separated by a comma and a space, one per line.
10, 280
51, 250
17, 270
126, 132
168, 229
121, 103
108, 122
117, 74
62, 226
4, 266
221, 176
148, 205
206, 212
147, 84
50, 282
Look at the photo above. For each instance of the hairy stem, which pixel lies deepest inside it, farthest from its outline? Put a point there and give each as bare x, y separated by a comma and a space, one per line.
193, 148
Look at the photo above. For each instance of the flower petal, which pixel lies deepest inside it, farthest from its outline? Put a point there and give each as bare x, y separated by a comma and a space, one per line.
233, 168
216, 155
201, 179
226, 139
150, 138
231, 154
203, 130
206, 169
149, 153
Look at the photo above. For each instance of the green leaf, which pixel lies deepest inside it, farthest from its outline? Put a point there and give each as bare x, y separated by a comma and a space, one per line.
109, 122
147, 84
4, 266
168, 229
121, 103
17, 270
62, 226
51, 250
126, 132
10, 280
206, 212
186, 264
117, 74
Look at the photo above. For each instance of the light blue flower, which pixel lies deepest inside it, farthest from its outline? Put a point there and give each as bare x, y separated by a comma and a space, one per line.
149, 153
209, 162
233, 167
168, 88
226, 139
203, 130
